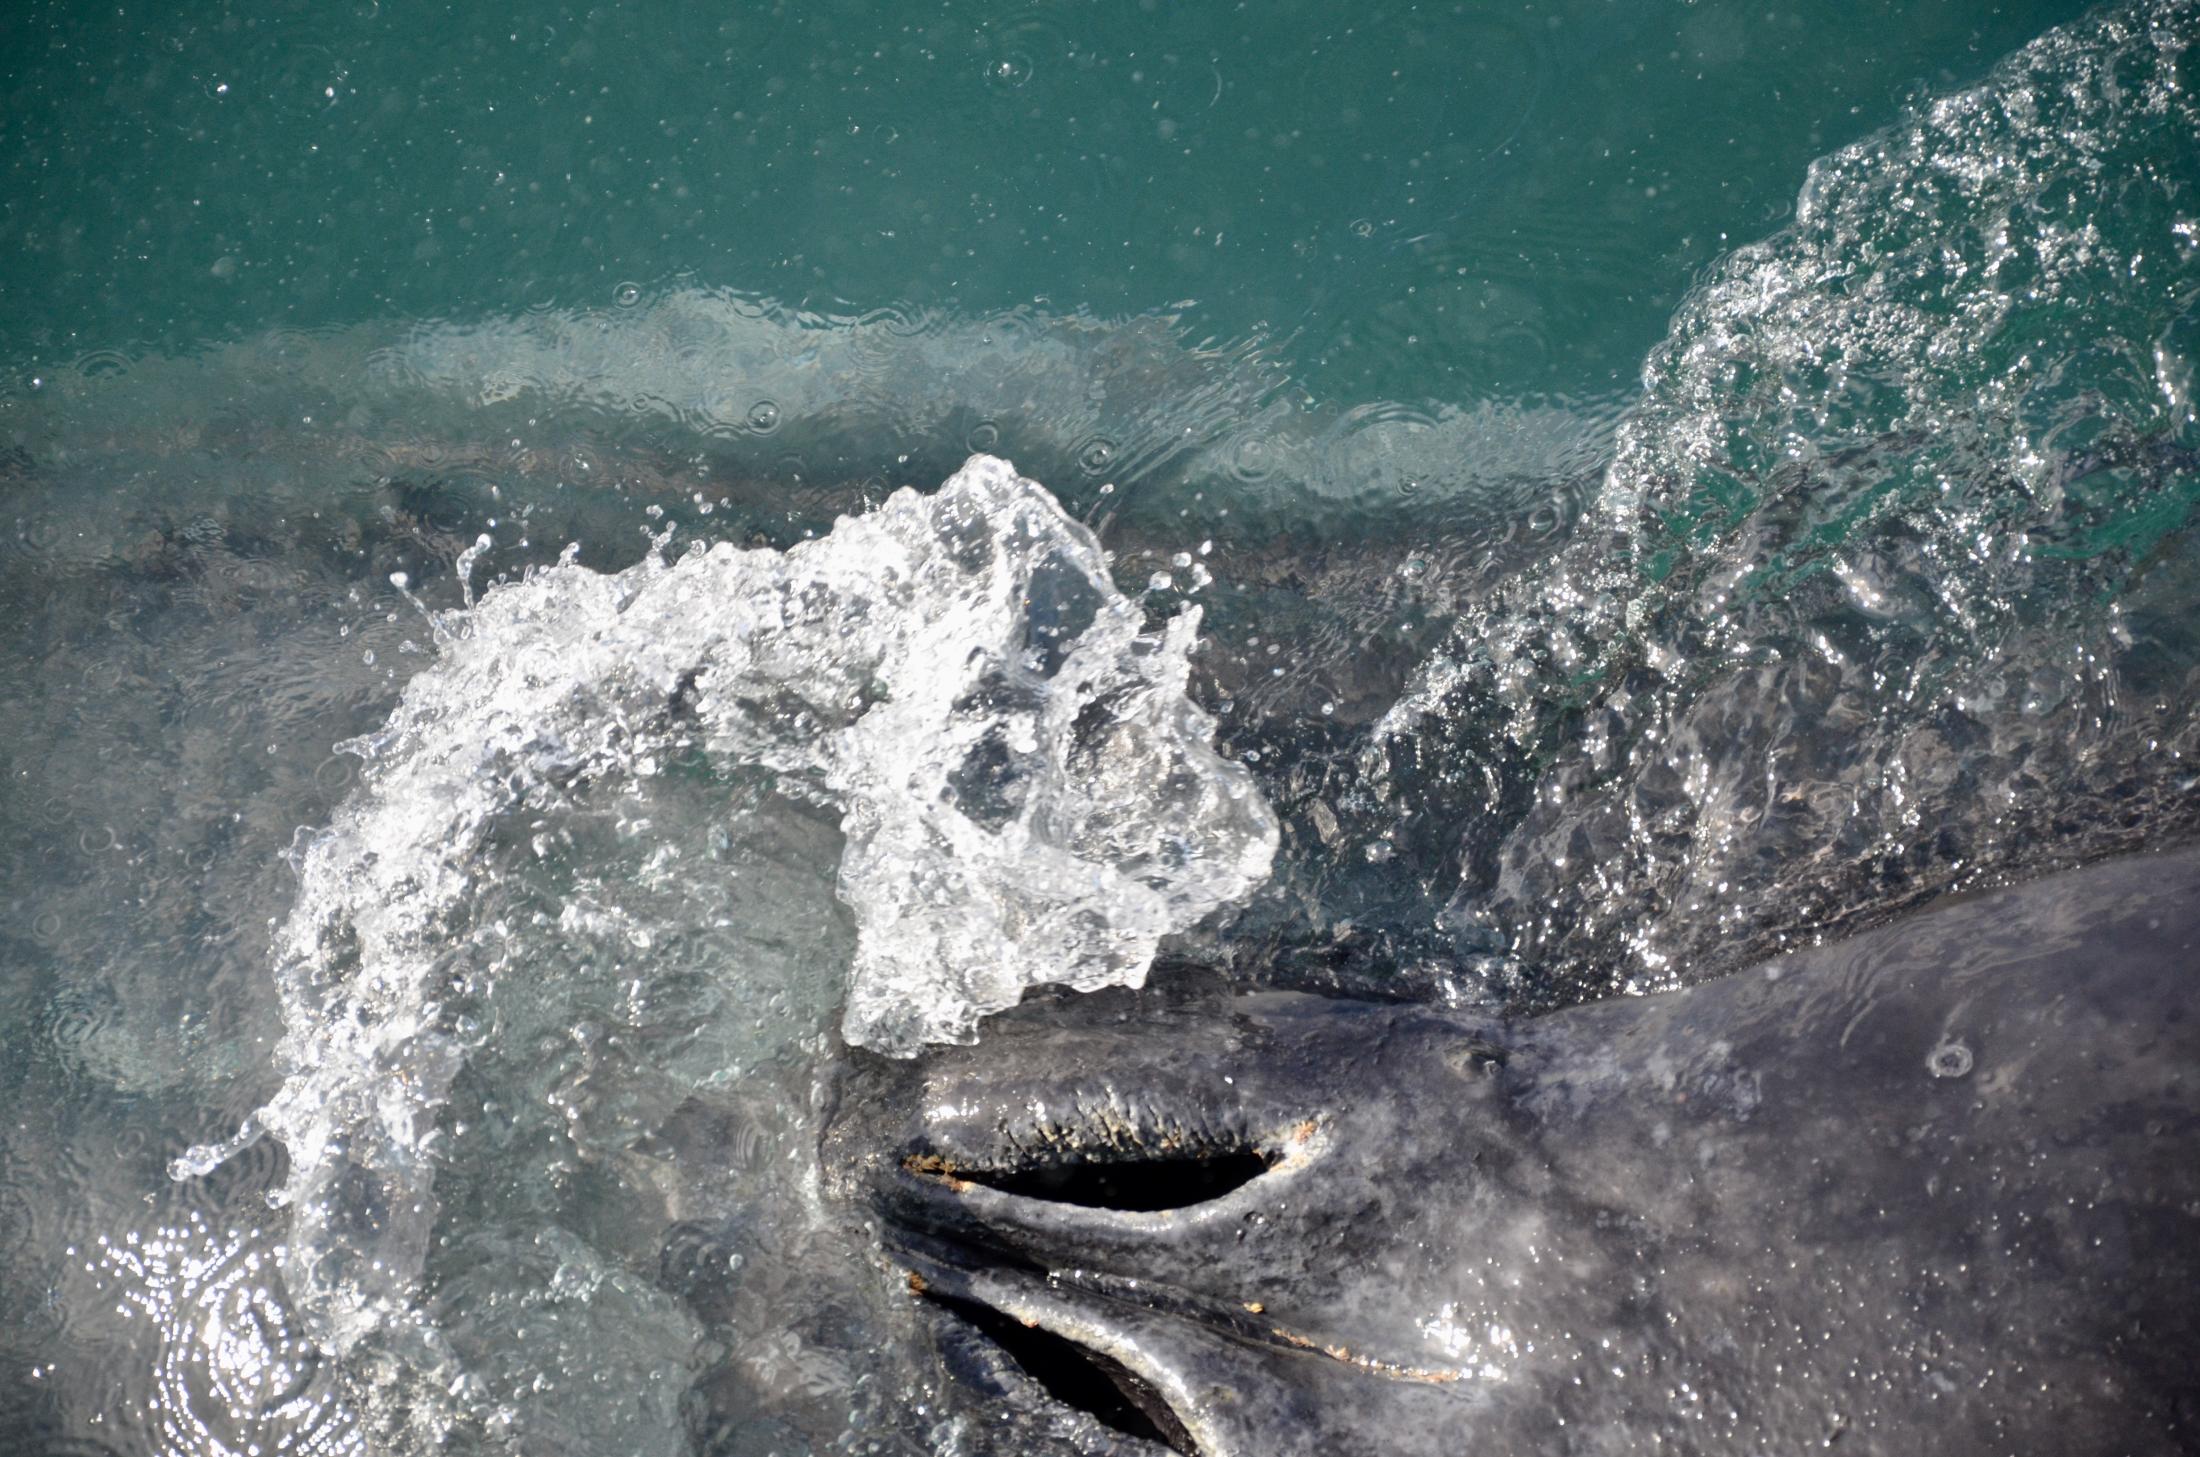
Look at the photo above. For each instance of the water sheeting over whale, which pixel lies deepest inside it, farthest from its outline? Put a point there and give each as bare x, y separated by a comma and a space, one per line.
1889, 584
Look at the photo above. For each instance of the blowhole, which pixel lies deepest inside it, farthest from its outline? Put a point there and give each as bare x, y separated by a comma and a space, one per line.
1132, 1185
1077, 1376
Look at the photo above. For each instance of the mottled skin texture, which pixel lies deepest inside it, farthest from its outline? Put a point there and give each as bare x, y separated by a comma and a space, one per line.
1932, 1189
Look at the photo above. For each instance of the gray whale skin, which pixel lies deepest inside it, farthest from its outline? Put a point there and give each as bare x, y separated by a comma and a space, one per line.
1934, 1189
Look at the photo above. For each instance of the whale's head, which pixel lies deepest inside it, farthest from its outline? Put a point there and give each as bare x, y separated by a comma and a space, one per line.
1940, 1178
1172, 1220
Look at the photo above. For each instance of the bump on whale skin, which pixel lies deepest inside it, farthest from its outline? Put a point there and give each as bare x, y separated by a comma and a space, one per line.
1931, 1188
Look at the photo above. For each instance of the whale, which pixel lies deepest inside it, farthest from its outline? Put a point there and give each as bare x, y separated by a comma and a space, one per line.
1462, 701
1932, 1187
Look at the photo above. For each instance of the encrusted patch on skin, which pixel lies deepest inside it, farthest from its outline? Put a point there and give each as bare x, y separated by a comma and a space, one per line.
932, 1166
1373, 1365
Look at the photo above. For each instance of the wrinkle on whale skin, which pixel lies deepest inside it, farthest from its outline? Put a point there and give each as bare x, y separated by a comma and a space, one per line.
1934, 1187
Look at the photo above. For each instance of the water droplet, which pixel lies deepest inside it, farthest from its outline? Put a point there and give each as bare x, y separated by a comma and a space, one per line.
763, 417
627, 295
984, 437
1363, 228
1011, 71
1097, 455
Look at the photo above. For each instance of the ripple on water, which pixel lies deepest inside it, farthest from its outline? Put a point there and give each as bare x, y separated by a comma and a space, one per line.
102, 364
231, 1373
1252, 457
1369, 457
78, 1021
1015, 48
28, 1311
1096, 455
251, 1178
1011, 70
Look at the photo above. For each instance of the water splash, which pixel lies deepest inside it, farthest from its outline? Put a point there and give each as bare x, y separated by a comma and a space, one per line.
1898, 538
1025, 792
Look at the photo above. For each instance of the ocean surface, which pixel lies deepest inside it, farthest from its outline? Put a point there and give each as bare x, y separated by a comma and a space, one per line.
560, 566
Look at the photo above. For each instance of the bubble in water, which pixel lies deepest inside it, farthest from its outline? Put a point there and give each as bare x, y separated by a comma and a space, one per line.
763, 417
983, 437
201, 1159
1951, 1059
627, 295
1252, 459
1011, 71
1096, 455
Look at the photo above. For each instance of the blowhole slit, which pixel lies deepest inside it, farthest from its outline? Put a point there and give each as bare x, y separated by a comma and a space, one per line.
1078, 1376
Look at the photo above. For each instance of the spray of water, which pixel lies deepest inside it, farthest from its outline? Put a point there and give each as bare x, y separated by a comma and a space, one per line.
1024, 792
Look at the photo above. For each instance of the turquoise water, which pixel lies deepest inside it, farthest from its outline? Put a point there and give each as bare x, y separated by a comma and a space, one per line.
1425, 201
1660, 484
